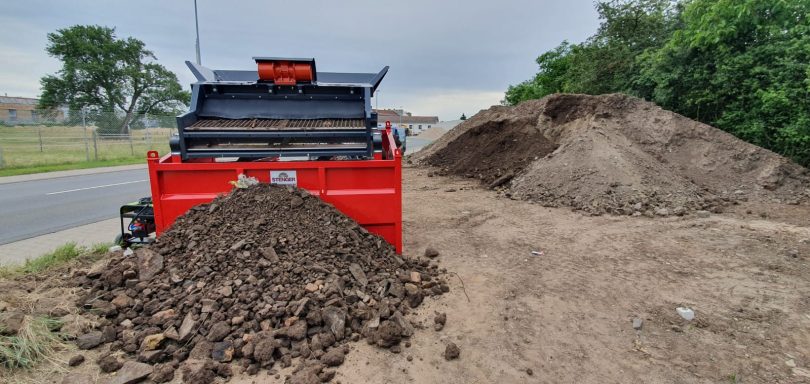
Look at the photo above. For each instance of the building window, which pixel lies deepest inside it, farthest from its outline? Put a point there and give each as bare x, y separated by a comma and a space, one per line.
428, 126
410, 125
420, 127
12, 115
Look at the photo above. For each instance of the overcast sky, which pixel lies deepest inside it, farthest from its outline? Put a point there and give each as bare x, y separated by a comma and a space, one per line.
446, 57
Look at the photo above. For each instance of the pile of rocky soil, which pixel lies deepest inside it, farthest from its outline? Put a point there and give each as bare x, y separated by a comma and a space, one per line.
260, 277
613, 154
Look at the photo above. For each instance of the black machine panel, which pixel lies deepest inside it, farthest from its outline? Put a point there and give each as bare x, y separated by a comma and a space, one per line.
245, 114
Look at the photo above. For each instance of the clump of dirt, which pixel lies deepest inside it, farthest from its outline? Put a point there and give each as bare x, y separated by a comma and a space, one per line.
613, 154
265, 274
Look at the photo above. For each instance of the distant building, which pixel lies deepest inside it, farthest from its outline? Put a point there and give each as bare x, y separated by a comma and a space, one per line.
23, 110
413, 124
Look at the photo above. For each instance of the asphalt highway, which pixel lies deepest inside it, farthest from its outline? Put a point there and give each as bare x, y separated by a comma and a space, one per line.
33, 208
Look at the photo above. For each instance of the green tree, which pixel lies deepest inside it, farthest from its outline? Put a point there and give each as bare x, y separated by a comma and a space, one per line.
552, 77
742, 66
106, 74
463, 117
606, 62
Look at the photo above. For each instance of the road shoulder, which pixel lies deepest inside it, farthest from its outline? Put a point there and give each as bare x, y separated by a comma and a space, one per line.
84, 235
70, 173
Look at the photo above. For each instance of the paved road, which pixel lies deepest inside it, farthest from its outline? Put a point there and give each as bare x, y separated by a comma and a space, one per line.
32, 208
414, 144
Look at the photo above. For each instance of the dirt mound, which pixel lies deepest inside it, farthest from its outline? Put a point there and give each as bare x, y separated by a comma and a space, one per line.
613, 154
265, 274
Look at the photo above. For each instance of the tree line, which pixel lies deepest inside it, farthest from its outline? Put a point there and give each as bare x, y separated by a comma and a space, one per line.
740, 65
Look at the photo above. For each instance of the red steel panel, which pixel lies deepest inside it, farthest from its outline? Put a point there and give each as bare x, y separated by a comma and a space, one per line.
368, 191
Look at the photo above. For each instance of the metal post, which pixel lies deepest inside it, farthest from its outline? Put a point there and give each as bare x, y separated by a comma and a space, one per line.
131, 148
2, 161
39, 132
84, 133
95, 146
197, 27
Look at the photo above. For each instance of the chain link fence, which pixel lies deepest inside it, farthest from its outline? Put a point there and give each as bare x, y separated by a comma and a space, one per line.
67, 136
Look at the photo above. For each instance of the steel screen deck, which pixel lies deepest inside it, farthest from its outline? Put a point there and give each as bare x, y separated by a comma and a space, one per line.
276, 124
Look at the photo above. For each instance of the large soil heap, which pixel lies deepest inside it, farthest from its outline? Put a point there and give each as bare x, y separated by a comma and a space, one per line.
613, 154
265, 274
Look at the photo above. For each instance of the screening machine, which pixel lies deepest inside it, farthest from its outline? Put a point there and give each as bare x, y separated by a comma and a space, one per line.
283, 123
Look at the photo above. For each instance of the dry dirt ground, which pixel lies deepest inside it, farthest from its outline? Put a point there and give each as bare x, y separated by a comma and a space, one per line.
566, 316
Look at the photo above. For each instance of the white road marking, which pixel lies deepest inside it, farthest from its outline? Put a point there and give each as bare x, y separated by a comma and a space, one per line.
98, 186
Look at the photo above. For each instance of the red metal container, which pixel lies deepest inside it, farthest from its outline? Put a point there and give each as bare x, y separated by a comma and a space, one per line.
368, 191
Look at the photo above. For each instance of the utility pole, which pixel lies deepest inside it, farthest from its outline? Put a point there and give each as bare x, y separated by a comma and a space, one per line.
197, 26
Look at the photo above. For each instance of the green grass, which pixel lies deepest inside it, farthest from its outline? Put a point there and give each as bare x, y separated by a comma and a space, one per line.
36, 341
57, 257
26, 170
66, 148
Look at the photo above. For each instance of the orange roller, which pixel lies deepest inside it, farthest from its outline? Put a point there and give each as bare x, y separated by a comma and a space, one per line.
286, 72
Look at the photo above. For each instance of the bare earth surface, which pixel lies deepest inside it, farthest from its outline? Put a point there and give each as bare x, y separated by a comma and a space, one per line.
566, 315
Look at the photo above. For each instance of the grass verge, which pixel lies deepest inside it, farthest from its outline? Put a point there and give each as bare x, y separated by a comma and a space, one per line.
55, 258
35, 341
27, 170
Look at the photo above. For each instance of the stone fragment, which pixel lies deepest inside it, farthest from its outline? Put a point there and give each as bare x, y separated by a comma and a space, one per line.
223, 351
263, 352
162, 373
186, 328
218, 331
358, 274
298, 330
335, 320
152, 357
270, 254
150, 263
122, 301
452, 351
402, 323
333, 357
152, 342
76, 360
131, 372
431, 252
109, 363
11, 322
89, 340
311, 287
171, 333
164, 315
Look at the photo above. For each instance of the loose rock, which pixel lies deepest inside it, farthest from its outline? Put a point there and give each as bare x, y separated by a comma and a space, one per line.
76, 360
452, 351
109, 363
303, 284
89, 340
431, 252
333, 357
